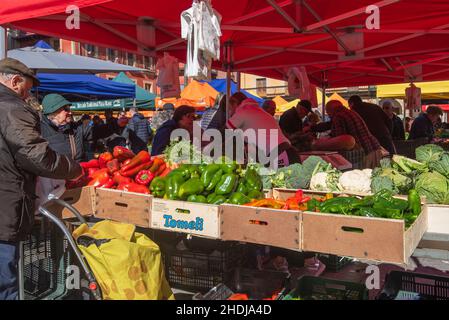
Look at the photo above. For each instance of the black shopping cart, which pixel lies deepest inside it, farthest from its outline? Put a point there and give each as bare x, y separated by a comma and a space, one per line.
47, 253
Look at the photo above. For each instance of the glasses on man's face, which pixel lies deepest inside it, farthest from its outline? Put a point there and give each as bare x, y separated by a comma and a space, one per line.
191, 116
66, 108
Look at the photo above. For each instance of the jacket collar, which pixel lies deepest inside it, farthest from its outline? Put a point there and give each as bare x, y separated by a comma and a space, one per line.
5, 90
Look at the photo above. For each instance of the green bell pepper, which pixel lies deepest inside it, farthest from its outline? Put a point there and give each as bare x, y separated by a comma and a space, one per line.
202, 167
215, 180
157, 187
208, 173
239, 198
414, 202
197, 198
190, 187
227, 184
253, 180
242, 187
253, 194
218, 200
172, 186
210, 197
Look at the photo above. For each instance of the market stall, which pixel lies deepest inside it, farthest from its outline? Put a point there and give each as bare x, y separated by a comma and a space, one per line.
377, 216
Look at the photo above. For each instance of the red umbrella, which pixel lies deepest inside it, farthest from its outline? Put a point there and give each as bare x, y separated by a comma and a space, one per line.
269, 36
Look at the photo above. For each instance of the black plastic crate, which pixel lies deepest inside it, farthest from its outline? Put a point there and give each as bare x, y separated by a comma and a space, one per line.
45, 258
198, 270
256, 284
407, 148
334, 263
356, 157
317, 288
410, 286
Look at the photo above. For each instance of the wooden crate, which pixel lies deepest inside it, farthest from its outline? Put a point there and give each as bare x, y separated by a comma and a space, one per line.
186, 217
82, 199
127, 207
376, 239
278, 228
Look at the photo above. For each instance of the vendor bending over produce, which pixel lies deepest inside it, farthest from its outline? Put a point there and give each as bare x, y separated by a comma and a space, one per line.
347, 122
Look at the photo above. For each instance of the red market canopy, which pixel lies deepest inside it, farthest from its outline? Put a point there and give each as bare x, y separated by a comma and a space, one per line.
268, 36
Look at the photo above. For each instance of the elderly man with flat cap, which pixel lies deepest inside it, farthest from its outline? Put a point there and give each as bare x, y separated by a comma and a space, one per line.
24, 156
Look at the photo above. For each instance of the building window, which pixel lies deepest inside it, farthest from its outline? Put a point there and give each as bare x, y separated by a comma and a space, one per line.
111, 54
147, 86
261, 85
55, 44
131, 58
90, 50
148, 63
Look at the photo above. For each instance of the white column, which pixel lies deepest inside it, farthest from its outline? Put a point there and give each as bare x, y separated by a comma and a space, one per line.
3, 43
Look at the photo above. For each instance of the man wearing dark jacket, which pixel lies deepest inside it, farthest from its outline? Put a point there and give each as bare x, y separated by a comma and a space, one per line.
398, 132
24, 156
57, 127
376, 120
183, 118
138, 131
424, 125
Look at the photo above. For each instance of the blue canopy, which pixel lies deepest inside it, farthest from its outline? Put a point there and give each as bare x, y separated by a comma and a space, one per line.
220, 86
82, 86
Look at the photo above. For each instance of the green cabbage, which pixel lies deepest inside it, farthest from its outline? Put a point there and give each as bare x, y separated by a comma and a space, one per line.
429, 153
433, 186
442, 165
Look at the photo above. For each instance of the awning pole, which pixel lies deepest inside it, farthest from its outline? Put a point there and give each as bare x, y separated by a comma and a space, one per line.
228, 65
3, 43
239, 82
323, 88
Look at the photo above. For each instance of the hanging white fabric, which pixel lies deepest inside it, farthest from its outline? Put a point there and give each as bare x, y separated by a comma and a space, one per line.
299, 84
168, 76
200, 26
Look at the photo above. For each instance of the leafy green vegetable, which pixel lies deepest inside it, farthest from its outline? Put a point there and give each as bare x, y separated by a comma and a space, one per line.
408, 165
442, 165
184, 152
433, 186
379, 183
390, 179
429, 153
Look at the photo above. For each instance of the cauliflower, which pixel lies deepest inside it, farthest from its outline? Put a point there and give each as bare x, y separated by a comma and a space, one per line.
356, 181
325, 181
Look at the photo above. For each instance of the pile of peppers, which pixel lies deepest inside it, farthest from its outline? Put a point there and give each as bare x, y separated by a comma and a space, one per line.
379, 205
215, 183
122, 170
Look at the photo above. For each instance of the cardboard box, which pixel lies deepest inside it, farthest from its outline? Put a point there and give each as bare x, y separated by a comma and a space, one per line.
278, 228
81, 199
127, 207
376, 239
186, 217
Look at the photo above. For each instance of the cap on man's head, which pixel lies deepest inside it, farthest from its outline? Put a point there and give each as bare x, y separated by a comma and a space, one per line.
13, 66
168, 107
53, 102
268, 104
306, 104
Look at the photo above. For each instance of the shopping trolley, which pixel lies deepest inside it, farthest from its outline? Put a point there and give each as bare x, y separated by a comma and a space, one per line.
35, 250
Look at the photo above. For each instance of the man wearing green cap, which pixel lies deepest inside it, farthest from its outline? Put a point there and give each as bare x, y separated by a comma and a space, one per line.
24, 156
58, 128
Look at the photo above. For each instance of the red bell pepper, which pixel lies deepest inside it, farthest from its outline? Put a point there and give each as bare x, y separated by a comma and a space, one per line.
109, 184
161, 169
133, 187
144, 177
139, 159
90, 164
98, 172
99, 179
133, 171
78, 183
104, 159
165, 172
125, 163
157, 163
91, 171
119, 179
113, 166
122, 153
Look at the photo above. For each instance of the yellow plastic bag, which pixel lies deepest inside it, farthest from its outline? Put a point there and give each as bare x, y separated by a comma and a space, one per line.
126, 264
